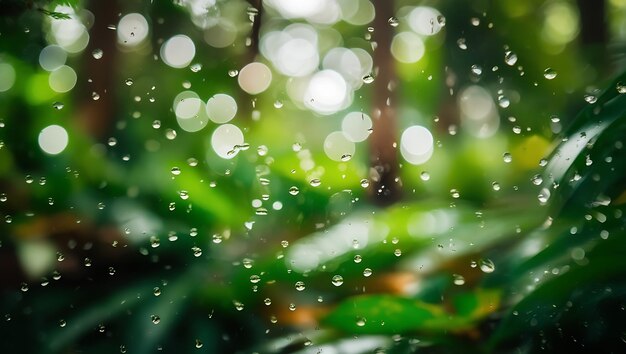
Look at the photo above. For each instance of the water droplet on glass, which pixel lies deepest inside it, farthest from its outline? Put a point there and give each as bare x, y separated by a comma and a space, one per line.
195, 67
97, 53
156, 291
129, 82
487, 266
367, 272
476, 70
475, 21
393, 21
544, 195
506, 157
197, 251
495, 186
156, 124
184, 195
360, 322
537, 180
171, 206
510, 58
424, 176
300, 285
217, 238
62, 323
155, 319
441, 20
58, 105
461, 42
315, 182
591, 99
621, 87
455, 193
337, 280
175, 171
549, 73
503, 101
278, 104
517, 129
368, 79
458, 279
29, 179
358, 258
233, 73
365, 183
294, 190
198, 343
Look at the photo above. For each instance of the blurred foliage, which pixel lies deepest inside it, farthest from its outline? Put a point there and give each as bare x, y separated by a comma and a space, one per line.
139, 238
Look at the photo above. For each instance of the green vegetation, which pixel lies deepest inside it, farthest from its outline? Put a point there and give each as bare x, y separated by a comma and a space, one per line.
385, 177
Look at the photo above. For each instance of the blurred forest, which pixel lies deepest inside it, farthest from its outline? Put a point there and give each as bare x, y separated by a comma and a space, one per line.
321, 176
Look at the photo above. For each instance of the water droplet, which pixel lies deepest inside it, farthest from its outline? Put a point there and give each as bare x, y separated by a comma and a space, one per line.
197, 251
58, 105
129, 82
441, 20
97, 53
506, 157
267, 301
156, 291
195, 67
591, 99
358, 258
175, 171
503, 101
238, 305
549, 73
247, 263
233, 73
365, 183
537, 180
300, 285
3, 197
368, 79
255, 279
475, 21
294, 190
284, 243
337, 280
29, 179
156, 124
510, 58
544, 195
543, 162
397, 252
455, 193
476, 70
487, 266
184, 195
458, 279
198, 343
495, 186
461, 42
360, 322
424, 176
112, 142
170, 134
155, 319
87, 262
315, 182
278, 104
517, 129
62, 323
393, 21
217, 238
367, 272
621, 87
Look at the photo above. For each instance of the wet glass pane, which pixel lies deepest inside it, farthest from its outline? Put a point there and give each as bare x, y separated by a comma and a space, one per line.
322, 176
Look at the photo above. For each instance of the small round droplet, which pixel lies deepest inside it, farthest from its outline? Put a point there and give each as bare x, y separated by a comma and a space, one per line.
365, 183
58, 105
337, 280
300, 285
315, 182
462, 43
358, 258
455, 193
549, 73
537, 180
184, 195
129, 82
507, 158
510, 58
367, 272
487, 266
424, 176
155, 319
441, 20
175, 171
544, 195
294, 190
393, 21
97, 53
156, 124
621, 87
495, 186
458, 279
195, 67
233, 73
476, 70
199, 343
503, 101
156, 291
255, 279
62, 323
591, 99
278, 104
360, 322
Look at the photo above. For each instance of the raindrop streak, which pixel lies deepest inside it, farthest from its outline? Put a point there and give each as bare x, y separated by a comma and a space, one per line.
549, 73
337, 280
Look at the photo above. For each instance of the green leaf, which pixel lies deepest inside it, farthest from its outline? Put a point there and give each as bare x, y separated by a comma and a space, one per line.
378, 314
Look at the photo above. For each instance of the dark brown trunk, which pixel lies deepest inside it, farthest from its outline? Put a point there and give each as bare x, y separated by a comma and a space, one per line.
385, 186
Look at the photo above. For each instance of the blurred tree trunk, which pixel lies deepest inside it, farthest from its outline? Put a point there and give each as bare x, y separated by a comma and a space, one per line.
96, 117
386, 188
